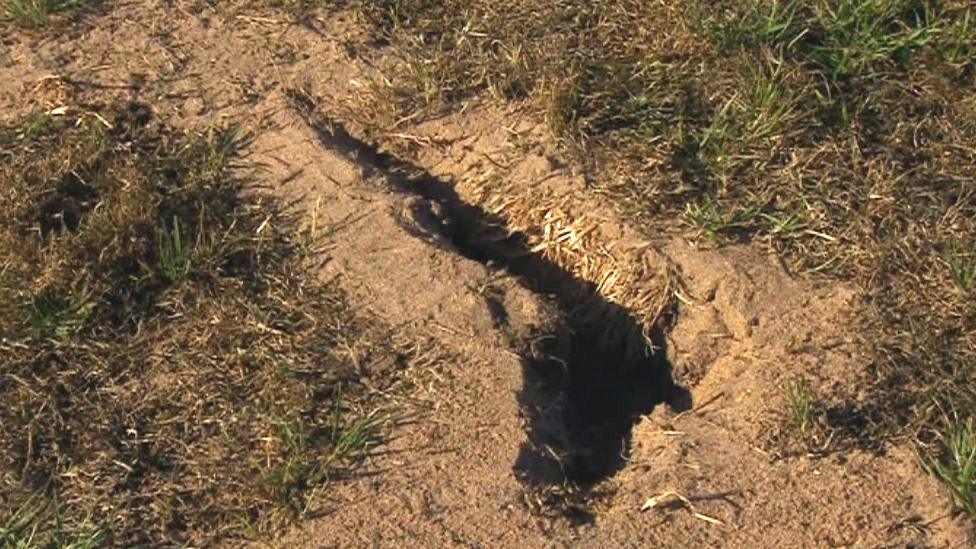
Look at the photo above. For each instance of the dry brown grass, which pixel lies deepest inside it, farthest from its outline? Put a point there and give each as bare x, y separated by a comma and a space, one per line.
171, 371
632, 277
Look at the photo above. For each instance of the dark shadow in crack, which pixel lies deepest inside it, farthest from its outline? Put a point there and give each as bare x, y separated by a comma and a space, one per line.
593, 381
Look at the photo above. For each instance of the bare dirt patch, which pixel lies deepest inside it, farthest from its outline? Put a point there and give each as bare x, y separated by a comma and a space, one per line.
600, 373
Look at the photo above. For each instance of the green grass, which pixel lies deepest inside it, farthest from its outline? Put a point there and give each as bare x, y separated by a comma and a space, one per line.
293, 481
857, 34
35, 124
769, 106
716, 225
844, 38
957, 43
354, 440
35, 13
22, 528
962, 267
805, 426
172, 255
755, 23
955, 465
801, 405
52, 315
141, 409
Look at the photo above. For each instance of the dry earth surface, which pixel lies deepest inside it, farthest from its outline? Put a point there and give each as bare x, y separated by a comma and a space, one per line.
477, 458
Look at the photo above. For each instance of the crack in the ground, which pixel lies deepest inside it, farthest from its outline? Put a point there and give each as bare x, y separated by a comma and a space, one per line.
584, 396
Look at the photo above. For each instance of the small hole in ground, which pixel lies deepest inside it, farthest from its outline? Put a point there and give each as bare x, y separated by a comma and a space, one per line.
606, 391
63, 211
583, 402
599, 377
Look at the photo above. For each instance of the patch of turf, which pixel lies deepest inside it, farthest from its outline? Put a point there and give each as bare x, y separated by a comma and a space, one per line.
955, 463
843, 38
838, 133
802, 404
171, 369
35, 13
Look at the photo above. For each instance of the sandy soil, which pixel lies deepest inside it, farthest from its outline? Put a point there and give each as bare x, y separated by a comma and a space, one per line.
454, 471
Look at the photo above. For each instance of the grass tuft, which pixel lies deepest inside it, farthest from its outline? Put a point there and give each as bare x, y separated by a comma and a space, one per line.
172, 255
956, 464
719, 226
293, 482
21, 529
35, 13
802, 405
962, 267
757, 23
855, 35
957, 40
53, 315
844, 38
